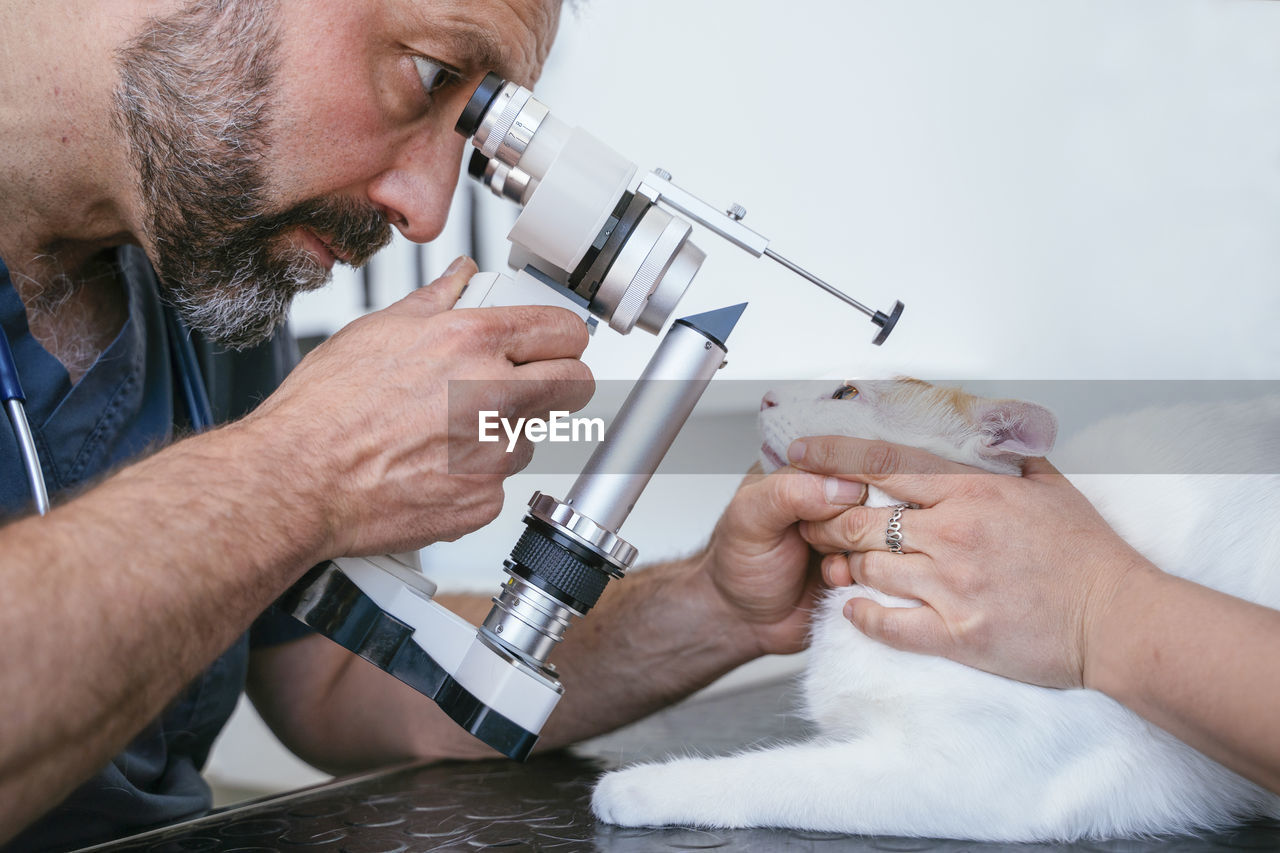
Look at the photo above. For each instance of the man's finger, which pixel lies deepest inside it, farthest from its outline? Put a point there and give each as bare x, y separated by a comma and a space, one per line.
566, 380
907, 473
784, 497
911, 629
835, 570
522, 333
527, 333
442, 293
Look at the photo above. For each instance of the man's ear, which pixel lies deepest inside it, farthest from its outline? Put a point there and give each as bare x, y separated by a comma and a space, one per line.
1015, 426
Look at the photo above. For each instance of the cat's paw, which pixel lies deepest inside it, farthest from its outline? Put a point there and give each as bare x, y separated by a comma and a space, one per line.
638, 796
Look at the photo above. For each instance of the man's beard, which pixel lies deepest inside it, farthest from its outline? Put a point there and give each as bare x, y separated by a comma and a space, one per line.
194, 106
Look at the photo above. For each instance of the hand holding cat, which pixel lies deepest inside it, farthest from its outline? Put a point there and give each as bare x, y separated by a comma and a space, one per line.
757, 561
1014, 572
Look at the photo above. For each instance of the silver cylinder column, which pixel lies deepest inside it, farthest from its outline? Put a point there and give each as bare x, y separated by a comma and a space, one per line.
571, 548
646, 425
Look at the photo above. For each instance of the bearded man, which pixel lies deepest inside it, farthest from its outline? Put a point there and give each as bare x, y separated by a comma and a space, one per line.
175, 166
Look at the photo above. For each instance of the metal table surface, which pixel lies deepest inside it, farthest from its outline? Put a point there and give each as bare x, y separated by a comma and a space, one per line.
543, 804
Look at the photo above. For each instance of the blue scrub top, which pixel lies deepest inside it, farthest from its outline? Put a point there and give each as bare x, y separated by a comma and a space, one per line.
127, 404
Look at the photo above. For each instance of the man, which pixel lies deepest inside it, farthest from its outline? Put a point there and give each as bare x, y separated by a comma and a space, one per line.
239, 149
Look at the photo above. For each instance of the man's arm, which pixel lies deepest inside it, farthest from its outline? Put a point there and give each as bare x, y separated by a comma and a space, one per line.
116, 600
652, 638
113, 602
655, 636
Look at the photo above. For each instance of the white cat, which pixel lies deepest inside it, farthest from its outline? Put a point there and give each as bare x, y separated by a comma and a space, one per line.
922, 746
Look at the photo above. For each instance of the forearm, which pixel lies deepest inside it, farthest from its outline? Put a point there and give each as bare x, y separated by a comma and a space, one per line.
1200, 664
116, 600
654, 637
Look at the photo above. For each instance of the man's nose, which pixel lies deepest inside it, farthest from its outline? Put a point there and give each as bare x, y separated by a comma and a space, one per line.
415, 193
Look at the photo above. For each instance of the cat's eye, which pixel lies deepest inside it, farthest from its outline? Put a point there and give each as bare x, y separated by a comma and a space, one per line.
846, 391
433, 74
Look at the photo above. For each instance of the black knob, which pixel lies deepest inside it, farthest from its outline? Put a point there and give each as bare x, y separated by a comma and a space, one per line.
566, 570
886, 324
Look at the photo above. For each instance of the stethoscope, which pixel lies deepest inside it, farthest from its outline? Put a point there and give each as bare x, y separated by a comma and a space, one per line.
185, 367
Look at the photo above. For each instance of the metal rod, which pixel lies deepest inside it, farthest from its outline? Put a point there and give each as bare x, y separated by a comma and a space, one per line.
645, 427
30, 456
803, 273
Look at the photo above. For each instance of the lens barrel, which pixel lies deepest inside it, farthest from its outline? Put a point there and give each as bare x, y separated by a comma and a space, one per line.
558, 570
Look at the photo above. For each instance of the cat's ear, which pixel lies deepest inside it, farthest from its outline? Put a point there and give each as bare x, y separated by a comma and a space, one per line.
1015, 426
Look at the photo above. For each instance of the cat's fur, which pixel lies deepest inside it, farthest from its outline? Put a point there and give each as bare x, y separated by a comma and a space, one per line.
922, 746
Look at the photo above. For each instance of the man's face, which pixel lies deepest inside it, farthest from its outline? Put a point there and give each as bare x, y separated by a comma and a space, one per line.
273, 137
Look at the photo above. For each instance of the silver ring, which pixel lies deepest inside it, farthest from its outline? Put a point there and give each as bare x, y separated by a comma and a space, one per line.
893, 533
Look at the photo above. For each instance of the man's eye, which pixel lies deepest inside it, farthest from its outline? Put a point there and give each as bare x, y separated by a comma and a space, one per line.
845, 392
433, 74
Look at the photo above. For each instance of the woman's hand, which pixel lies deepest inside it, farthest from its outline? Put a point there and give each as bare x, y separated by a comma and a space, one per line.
1014, 572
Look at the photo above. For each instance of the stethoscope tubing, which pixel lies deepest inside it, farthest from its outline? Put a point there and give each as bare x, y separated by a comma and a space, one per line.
30, 455
189, 376
14, 398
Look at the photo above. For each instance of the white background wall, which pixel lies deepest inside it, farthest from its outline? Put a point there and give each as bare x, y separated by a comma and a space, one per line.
1083, 189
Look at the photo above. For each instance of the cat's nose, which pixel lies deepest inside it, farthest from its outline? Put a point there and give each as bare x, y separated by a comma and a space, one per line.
768, 401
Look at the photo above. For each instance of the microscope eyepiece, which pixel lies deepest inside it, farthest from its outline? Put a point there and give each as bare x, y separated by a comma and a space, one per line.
473, 113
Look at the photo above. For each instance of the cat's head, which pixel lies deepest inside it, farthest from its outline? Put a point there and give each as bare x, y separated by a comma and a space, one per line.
997, 435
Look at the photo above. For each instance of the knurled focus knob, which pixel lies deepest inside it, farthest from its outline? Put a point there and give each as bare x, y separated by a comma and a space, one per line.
558, 566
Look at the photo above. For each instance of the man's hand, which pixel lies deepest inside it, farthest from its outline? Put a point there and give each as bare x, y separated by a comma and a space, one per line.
1014, 571
371, 427
765, 574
